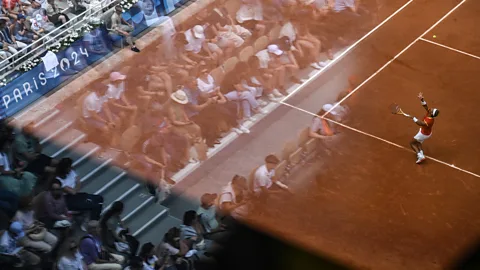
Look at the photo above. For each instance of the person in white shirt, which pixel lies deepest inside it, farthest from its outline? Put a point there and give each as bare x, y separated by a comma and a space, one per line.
250, 16
119, 104
232, 200
198, 46
76, 200
263, 180
72, 259
97, 114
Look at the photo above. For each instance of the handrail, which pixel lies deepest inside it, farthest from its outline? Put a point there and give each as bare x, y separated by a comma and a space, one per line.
91, 11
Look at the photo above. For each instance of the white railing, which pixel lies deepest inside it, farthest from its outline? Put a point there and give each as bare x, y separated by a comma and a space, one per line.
42, 42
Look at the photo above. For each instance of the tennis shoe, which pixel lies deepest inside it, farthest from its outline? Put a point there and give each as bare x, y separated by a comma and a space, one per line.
420, 159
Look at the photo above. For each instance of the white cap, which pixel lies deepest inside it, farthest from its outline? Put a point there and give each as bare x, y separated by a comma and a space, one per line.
274, 49
198, 31
328, 107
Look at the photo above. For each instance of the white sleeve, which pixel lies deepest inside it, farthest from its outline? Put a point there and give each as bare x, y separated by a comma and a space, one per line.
261, 180
225, 197
316, 122
61, 264
2, 160
349, 3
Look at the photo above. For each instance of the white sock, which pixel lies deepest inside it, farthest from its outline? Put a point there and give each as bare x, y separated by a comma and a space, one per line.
421, 152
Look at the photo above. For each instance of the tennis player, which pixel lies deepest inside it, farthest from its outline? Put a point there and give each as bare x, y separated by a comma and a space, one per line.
425, 131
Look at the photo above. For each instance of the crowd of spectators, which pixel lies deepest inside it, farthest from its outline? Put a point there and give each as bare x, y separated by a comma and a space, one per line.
213, 74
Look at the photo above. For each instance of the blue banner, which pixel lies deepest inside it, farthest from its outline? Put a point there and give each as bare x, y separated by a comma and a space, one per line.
37, 82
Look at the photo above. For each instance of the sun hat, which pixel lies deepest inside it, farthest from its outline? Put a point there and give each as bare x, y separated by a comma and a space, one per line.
198, 31
180, 97
274, 49
117, 76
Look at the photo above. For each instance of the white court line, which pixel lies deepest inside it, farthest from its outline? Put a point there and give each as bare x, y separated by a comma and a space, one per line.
395, 57
450, 48
340, 56
383, 140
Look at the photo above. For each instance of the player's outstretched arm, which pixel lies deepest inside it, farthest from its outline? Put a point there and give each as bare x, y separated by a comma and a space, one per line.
419, 122
423, 102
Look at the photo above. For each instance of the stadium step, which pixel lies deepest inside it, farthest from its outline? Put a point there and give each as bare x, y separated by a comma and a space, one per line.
80, 153
94, 176
156, 232
52, 129
63, 141
145, 217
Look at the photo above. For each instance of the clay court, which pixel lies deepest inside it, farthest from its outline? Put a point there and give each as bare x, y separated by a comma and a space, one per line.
370, 205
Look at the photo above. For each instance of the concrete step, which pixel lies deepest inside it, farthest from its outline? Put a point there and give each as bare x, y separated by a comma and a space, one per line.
147, 215
156, 232
95, 176
63, 141
134, 200
51, 129
80, 153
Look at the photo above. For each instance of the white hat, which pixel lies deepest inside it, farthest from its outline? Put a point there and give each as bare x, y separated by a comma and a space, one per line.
307, 2
328, 107
198, 31
117, 76
274, 49
179, 96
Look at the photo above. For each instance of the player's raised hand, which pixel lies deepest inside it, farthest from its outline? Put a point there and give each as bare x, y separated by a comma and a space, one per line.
420, 95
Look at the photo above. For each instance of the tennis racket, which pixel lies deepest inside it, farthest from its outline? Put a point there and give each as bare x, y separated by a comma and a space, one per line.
395, 109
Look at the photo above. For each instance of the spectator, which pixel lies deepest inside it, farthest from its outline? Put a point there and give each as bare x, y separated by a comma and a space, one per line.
135, 263
9, 7
267, 77
4, 52
37, 237
189, 228
97, 114
149, 259
54, 15
71, 259
153, 158
250, 16
245, 99
199, 48
283, 62
263, 177
123, 28
227, 36
119, 103
20, 31
249, 81
181, 124
55, 213
27, 152
232, 196
40, 24
207, 213
94, 254
321, 127
14, 180
114, 234
71, 185
9, 245
307, 45
171, 248
8, 39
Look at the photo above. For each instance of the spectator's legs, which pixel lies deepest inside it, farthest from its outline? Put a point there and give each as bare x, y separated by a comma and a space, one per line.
30, 258
133, 243
37, 246
105, 266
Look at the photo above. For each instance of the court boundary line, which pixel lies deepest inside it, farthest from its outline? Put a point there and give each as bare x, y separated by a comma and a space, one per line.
394, 58
341, 55
450, 48
382, 140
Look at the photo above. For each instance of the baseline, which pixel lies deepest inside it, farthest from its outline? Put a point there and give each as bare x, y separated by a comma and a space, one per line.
382, 140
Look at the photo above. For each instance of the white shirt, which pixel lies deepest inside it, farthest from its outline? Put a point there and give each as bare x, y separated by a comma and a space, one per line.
263, 178
194, 44
71, 264
341, 5
208, 86
26, 218
250, 11
70, 180
227, 195
288, 30
115, 92
5, 162
92, 103
264, 58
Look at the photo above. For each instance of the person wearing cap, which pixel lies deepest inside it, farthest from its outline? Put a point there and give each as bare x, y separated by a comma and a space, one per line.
287, 59
9, 245
96, 113
263, 181
199, 48
123, 28
207, 212
181, 123
21, 32
119, 104
320, 127
94, 254
264, 76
